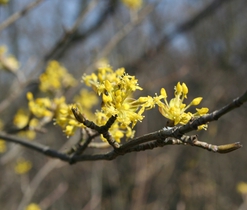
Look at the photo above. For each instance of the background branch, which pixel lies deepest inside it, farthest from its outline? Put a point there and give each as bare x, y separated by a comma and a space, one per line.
19, 14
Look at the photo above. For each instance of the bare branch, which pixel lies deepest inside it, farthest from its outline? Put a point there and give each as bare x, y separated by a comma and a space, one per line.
100, 129
19, 14
35, 146
120, 35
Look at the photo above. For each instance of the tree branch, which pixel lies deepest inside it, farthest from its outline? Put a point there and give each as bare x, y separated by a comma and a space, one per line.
160, 138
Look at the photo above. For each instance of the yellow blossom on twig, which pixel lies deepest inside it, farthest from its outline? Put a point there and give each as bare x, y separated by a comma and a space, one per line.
65, 119
175, 110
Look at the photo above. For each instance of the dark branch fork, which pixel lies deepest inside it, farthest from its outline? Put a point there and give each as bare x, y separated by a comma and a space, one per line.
165, 136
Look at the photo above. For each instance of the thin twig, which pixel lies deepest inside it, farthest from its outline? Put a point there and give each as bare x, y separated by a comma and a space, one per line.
19, 14
120, 35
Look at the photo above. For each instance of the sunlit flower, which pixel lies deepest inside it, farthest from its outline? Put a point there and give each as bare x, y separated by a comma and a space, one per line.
175, 110
22, 166
55, 78
33, 206
66, 120
7, 62
116, 89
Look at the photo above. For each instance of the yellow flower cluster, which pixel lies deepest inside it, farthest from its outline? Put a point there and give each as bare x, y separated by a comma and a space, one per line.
21, 120
33, 206
8, 62
40, 107
175, 110
22, 166
132, 4
116, 88
66, 120
55, 78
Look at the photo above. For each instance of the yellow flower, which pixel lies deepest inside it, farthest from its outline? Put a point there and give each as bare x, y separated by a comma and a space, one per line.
33, 206
21, 119
175, 110
22, 166
2, 146
7, 62
242, 187
55, 78
133, 4
117, 131
65, 118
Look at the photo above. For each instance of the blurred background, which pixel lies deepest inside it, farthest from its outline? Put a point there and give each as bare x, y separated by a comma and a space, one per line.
161, 42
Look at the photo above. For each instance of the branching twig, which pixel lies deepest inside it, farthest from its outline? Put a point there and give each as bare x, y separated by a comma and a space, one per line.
100, 129
120, 35
163, 137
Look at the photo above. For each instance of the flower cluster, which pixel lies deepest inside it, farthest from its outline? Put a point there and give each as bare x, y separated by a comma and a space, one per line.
55, 78
175, 110
40, 107
64, 118
116, 89
21, 120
